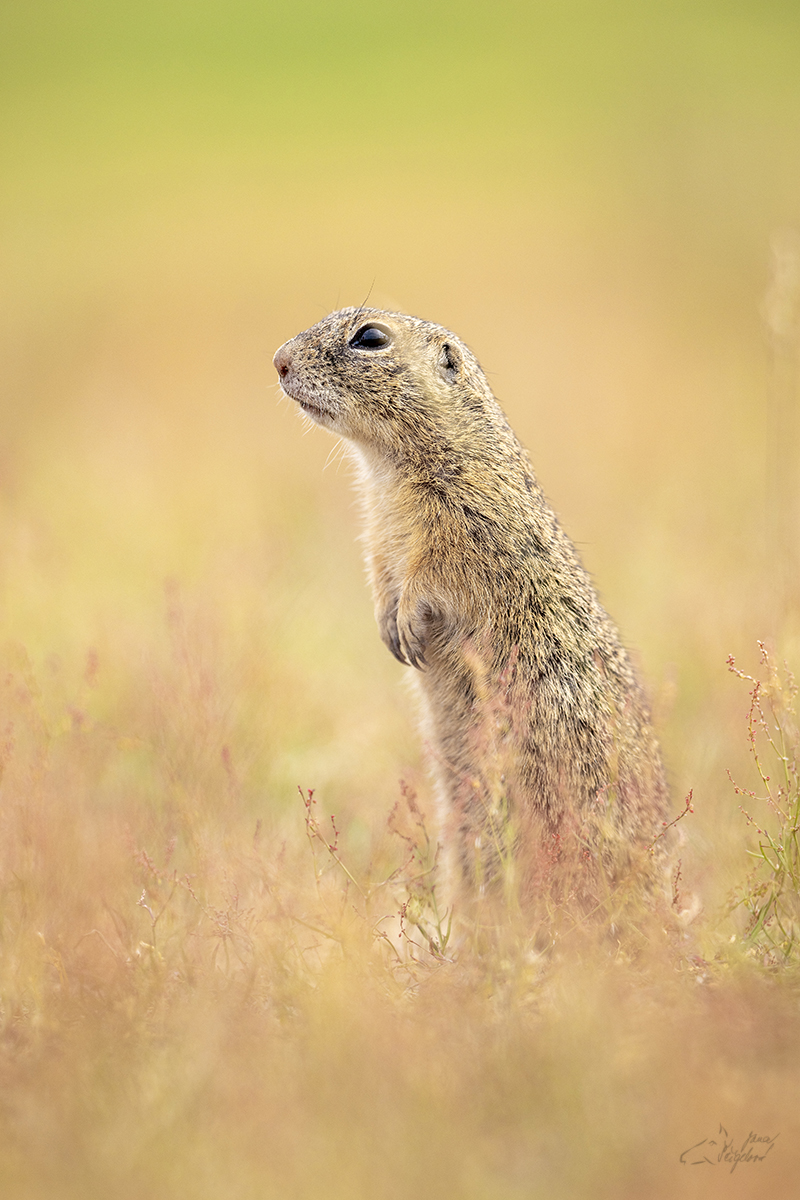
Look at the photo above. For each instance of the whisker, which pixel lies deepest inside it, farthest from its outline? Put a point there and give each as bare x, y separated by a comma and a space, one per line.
335, 449
363, 304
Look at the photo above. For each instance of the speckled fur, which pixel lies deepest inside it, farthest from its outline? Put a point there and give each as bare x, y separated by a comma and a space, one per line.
533, 706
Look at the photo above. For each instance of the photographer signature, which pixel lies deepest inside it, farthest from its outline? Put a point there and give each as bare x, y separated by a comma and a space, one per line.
722, 1149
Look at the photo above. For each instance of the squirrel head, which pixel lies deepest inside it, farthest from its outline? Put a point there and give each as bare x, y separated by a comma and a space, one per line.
392, 384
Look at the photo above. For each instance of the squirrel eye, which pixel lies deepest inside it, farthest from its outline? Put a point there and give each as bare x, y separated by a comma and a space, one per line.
370, 337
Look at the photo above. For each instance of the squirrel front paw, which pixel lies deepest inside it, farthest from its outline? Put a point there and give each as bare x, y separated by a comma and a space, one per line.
404, 627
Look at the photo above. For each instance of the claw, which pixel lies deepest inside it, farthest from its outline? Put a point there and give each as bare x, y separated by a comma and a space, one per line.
402, 638
391, 637
415, 660
394, 646
414, 652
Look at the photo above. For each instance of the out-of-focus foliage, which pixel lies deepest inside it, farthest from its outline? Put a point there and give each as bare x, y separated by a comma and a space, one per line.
600, 197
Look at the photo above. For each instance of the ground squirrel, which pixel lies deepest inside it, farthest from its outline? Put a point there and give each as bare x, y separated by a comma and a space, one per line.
536, 723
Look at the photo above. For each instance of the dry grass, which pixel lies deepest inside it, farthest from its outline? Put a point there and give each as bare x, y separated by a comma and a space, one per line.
199, 999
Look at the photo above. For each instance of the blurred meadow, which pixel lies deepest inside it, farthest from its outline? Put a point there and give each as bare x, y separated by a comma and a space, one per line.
602, 199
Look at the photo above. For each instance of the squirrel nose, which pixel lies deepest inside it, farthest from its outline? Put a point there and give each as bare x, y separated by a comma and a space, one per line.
282, 361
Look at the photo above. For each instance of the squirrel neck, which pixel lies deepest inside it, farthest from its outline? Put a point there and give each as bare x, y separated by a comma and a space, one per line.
502, 523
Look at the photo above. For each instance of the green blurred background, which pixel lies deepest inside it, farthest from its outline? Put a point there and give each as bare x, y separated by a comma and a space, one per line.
584, 191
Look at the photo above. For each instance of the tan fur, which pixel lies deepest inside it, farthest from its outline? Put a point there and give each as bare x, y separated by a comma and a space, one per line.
537, 725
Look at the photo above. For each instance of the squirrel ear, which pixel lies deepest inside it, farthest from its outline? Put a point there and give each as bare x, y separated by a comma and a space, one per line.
450, 362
